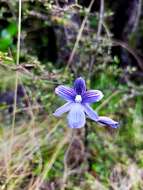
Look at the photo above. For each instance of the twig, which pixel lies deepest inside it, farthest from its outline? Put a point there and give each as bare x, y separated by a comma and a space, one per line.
130, 50
91, 65
139, 11
79, 35
101, 17
99, 30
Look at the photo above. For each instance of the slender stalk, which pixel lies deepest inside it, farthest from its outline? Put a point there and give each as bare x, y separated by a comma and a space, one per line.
79, 34
87, 151
19, 32
16, 78
98, 35
17, 63
101, 17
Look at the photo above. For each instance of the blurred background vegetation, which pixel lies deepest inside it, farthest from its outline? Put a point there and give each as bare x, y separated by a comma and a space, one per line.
102, 41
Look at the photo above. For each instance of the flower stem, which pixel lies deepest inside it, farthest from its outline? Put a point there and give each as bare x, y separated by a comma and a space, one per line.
66, 169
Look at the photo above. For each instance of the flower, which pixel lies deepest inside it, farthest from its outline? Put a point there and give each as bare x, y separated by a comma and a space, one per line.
78, 105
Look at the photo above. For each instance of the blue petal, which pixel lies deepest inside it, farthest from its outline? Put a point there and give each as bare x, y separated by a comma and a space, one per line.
65, 108
90, 112
66, 93
76, 116
79, 85
91, 96
107, 121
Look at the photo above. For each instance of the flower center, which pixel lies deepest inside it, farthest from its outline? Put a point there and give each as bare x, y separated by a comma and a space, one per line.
78, 98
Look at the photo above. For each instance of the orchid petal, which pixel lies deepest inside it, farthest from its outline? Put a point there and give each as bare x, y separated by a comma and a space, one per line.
90, 112
76, 116
92, 96
65, 92
63, 109
107, 121
79, 85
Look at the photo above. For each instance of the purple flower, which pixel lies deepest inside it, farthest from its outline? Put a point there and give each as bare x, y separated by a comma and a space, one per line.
78, 105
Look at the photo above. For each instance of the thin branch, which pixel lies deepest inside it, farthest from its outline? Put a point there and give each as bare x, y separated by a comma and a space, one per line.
99, 30
130, 50
79, 35
124, 45
139, 11
101, 18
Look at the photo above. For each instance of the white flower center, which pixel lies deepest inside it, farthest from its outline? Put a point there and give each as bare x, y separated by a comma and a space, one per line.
78, 98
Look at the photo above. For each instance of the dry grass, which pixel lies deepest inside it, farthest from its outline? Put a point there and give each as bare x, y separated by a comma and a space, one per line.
17, 168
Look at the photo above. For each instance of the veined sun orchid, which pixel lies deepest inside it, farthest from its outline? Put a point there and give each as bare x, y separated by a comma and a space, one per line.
78, 105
